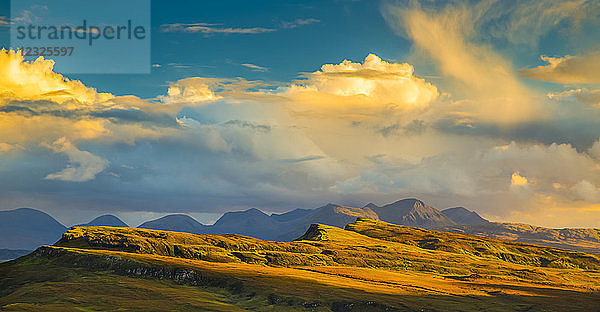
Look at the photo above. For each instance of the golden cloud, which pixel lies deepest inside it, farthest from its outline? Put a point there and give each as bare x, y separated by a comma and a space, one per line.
518, 180
567, 69
37, 81
39, 105
358, 88
485, 82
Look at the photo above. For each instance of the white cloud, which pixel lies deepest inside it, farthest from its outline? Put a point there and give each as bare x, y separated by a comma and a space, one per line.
207, 28
210, 28
255, 67
588, 191
190, 91
83, 166
299, 22
371, 86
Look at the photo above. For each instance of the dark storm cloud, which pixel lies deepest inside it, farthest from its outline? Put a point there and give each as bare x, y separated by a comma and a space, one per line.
581, 134
136, 116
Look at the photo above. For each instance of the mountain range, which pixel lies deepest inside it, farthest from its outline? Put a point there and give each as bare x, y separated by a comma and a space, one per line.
27, 229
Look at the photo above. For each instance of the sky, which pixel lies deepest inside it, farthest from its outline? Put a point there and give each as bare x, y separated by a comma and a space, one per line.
491, 105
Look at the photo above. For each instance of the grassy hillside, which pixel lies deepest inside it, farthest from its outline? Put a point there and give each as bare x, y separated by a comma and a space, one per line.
514, 252
586, 240
370, 266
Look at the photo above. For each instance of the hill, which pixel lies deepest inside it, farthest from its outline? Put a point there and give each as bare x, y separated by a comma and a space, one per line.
586, 240
175, 222
412, 212
369, 266
106, 220
27, 228
461, 215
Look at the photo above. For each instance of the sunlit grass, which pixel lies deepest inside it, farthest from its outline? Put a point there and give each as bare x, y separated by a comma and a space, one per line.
370, 266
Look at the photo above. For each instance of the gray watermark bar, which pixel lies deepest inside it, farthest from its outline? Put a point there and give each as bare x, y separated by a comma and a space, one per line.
108, 36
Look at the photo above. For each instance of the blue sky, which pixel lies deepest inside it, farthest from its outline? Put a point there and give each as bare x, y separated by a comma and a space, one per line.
493, 105
350, 28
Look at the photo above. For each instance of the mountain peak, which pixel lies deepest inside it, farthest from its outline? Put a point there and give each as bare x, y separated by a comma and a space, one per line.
462, 215
412, 212
106, 220
255, 211
410, 201
370, 206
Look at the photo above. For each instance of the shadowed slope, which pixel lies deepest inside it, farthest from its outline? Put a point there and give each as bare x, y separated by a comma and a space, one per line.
412, 212
461, 215
27, 228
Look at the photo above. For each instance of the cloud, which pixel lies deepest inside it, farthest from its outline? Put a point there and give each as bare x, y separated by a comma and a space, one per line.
207, 28
299, 22
484, 81
588, 97
526, 22
190, 91
4, 21
594, 150
588, 191
37, 81
415, 127
39, 105
567, 69
370, 86
517, 180
353, 131
255, 67
83, 166
5, 147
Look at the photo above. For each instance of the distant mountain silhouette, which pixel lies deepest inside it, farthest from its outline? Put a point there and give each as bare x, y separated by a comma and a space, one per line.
27, 228
255, 223
338, 215
106, 220
330, 214
251, 222
9, 254
412, 212
175, 222
371, 206
291, 215
461, 215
